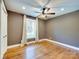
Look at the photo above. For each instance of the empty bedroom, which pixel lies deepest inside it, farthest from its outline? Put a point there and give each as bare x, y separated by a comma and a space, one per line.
39, 29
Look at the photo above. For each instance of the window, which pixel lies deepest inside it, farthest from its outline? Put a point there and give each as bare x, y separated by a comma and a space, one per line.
31, 28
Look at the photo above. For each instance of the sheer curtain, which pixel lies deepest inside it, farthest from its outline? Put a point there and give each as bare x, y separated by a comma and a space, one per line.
24, 34
30, 29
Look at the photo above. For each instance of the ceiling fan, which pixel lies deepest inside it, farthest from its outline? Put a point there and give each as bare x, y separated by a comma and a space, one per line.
44, 10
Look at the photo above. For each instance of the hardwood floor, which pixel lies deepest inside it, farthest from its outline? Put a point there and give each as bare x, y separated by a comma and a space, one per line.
41, 50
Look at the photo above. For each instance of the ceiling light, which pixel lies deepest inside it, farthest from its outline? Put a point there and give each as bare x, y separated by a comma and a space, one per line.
62, 9
23, 7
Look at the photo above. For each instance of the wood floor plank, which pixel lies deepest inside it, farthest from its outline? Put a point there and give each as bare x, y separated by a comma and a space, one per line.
41, 50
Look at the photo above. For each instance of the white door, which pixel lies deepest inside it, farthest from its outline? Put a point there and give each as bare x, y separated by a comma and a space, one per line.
3, 31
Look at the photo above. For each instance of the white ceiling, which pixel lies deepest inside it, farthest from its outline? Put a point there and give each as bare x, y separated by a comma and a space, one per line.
36, 5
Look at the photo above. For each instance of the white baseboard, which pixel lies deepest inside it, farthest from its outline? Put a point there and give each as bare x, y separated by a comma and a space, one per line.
34, 41
12, 46
52, 41
31, 42
62, 44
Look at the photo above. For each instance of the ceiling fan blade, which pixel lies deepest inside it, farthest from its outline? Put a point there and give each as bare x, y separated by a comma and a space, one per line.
33, 3
50, 13
37, 5
37, 12
47, 3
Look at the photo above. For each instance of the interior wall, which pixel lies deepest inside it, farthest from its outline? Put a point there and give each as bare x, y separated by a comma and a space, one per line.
41, 29
64, 28
15, 26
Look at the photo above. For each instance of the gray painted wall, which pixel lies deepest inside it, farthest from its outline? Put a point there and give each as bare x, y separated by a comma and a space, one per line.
64, 29
41, 29
15, 26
